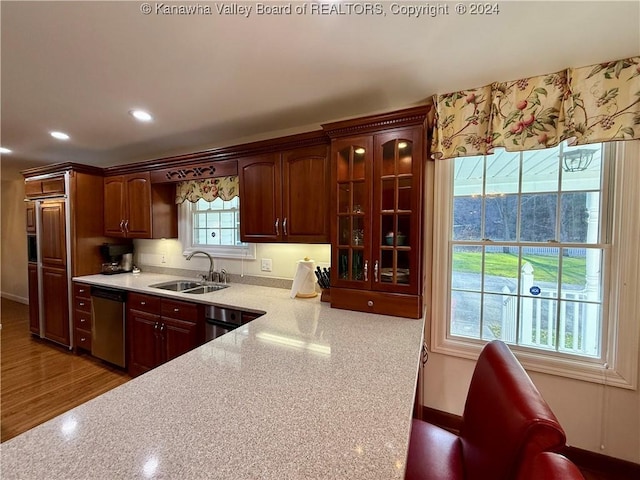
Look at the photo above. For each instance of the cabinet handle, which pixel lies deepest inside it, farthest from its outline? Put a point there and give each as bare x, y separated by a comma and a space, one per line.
83, 339
176, 309
155, 325
375, 271
81, 290
82, 320
277, 225
81, 304
366, 270
284, 225
370, 303
143, 303
126, 225
122, 225
162, 325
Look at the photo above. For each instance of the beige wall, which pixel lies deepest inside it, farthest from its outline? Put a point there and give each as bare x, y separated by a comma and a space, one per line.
13, 245
601, 419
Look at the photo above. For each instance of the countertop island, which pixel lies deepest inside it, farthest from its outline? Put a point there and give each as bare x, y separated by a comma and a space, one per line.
303, 392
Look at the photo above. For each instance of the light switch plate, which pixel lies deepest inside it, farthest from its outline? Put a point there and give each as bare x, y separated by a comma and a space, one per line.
266, 265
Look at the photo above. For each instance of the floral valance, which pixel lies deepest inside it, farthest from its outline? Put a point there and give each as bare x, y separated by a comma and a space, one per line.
591, 104
210, 188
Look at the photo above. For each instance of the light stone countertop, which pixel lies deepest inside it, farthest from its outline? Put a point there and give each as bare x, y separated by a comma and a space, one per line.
303, 392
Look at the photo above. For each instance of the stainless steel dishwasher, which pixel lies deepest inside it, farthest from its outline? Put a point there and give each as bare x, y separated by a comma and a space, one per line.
107, 325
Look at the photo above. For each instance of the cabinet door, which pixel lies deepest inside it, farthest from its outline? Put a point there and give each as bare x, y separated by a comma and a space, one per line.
114, 204
137, 221
142, 330
306, 195
31, 217
55, 304
351, 230
396, 219
53, 237
179, 337
260, 199
34, 305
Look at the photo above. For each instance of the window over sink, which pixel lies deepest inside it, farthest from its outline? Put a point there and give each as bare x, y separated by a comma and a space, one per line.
214, 227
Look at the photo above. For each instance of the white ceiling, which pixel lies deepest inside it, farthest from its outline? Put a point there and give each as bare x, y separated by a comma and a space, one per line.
215, 80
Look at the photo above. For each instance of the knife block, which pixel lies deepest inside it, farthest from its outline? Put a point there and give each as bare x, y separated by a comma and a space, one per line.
326, 295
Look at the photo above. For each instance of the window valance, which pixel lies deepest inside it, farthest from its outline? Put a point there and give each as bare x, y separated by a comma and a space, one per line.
584, 105
209, 189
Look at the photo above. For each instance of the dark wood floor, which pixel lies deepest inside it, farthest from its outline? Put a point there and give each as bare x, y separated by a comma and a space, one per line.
41, 380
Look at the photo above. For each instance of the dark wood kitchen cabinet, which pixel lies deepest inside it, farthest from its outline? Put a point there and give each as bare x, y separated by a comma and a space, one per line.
285, 196
82, 316
55, 304
160, 330
377, 220
66, 204
135, 208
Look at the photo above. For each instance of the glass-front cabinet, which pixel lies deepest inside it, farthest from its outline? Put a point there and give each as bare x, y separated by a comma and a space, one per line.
377, 222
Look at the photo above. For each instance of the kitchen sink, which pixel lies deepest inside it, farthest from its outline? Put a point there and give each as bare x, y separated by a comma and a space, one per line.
206, 288
186, 286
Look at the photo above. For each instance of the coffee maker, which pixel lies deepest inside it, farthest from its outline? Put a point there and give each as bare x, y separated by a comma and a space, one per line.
118, 258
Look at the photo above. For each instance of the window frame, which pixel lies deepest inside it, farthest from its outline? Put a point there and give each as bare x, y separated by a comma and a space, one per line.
185, 236
618, 365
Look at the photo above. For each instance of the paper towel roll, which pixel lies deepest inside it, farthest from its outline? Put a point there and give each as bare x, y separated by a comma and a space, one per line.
304, 282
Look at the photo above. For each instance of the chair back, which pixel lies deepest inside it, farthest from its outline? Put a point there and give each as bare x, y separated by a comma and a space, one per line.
506, 422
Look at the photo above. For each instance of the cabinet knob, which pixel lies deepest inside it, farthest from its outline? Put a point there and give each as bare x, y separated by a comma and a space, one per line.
83, 339
82, 320
176, 309
143, 303
370, 303
82, 304
81, 290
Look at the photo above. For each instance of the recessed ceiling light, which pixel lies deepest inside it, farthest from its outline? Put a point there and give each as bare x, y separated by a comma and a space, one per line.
60, 135
5, 150
141, 115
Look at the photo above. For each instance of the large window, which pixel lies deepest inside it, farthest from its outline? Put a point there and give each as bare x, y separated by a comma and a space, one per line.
527, 253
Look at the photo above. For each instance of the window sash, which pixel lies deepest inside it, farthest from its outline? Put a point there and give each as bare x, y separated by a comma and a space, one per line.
618, 365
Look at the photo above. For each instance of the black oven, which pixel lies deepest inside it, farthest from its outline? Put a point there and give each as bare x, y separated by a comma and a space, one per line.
32, 248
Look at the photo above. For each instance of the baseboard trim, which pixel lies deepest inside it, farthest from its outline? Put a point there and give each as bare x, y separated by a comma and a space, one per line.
15, 298
585, 459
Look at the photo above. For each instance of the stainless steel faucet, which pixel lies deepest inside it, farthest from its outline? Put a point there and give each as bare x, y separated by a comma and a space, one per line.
211, 272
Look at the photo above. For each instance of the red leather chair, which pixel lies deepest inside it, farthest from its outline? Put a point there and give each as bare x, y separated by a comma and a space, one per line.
505, 424
550, 466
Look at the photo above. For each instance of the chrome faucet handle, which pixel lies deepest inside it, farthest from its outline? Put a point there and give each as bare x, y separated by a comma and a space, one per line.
223, 276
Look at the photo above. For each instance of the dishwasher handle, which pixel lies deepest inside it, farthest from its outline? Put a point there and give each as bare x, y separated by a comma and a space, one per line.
109, 294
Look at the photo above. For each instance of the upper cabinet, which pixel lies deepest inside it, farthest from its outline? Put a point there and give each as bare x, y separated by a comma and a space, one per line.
134, 208
377, 213
284, 196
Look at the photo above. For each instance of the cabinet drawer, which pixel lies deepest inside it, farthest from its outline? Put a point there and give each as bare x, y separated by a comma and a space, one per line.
81, 290
144, 303
179, 310
83, 339
409, 306
82, 319
83, 304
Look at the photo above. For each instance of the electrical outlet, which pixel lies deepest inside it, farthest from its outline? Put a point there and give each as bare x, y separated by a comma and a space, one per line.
266, 265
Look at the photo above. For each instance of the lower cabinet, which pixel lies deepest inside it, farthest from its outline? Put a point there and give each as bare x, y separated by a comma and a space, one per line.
55, 304
82, 316
160, 329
